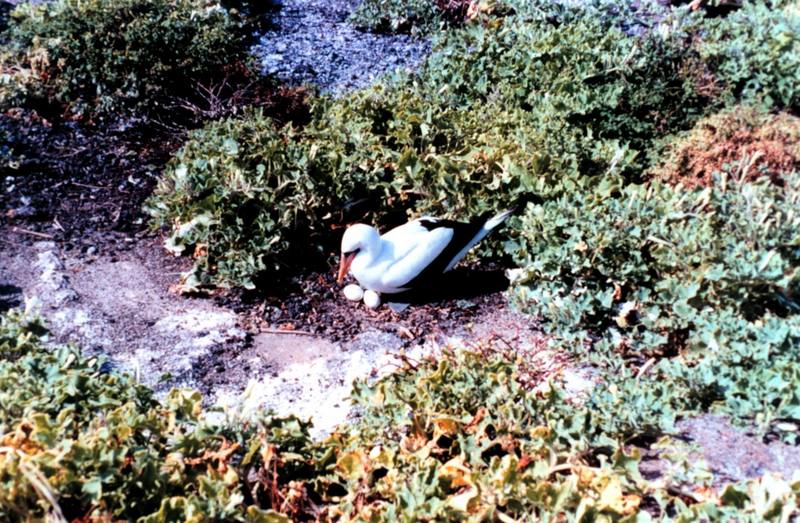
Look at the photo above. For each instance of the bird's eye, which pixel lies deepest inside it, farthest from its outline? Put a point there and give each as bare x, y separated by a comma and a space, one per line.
354, 251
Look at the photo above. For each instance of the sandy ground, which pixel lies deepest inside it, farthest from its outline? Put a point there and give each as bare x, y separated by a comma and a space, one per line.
120, 306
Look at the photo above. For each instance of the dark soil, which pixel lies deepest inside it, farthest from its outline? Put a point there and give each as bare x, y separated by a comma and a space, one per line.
314, 304
84, 185
80, 185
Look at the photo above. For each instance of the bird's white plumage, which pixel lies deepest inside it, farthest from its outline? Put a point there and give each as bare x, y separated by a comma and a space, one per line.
386, 263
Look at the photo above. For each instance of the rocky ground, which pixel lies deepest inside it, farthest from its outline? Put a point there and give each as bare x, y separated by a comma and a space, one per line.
73, 239
312, 43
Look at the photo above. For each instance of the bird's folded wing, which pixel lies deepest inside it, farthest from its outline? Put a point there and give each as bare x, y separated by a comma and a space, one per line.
405, 238
427, 245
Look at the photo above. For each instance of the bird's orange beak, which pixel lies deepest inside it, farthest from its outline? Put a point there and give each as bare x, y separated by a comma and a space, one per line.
344, 265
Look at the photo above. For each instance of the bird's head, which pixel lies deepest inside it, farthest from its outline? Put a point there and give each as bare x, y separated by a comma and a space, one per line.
357, 238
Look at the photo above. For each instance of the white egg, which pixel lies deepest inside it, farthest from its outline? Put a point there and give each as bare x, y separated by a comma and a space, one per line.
353, 292
372, 299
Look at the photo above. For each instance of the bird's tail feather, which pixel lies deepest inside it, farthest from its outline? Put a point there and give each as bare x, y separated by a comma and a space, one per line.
492, 222
518, 205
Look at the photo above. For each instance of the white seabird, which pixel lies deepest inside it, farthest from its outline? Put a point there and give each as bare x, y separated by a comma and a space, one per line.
410, 255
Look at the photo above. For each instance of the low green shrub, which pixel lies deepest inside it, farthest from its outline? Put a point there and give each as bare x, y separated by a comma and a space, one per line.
451, 439
428, 16
706, 282
521, 105
397, 16
233, 195
246, 197
78, 442
101, 56
755, 54
497, 111
457, 438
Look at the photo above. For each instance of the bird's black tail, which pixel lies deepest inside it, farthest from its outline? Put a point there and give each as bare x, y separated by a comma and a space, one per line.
490, 220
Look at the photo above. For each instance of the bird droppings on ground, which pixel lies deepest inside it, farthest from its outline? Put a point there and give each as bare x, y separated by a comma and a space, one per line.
120, 307
313, 377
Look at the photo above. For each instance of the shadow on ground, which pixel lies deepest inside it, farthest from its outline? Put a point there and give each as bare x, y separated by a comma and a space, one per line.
10, 297
458, 284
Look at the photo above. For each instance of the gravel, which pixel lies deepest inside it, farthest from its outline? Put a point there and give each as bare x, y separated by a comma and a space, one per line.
313, 43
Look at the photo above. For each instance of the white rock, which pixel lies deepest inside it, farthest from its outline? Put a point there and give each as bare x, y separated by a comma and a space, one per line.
353, 292
371, 299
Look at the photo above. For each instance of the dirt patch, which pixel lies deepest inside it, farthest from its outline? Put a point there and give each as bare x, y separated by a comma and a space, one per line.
733, 454
315, 304
80, 185
768, 144
119, 306
729, 453
311, 377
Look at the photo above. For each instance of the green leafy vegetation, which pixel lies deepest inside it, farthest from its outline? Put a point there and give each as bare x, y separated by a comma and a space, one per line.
452, 440
100, 56
422, 17
755, 53
496, 112
235, 195
704, 282
397, 16
459, 439
665, 258
78, 441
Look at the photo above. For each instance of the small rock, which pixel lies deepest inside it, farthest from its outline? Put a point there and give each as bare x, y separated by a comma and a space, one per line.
398, 307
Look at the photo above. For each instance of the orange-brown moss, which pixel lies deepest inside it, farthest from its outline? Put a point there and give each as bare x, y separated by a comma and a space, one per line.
769, 142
